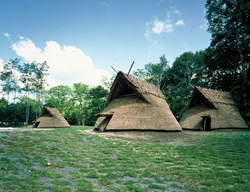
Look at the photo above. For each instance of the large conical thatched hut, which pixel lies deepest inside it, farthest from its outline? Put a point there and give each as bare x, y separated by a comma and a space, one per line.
50, 117
134, 104
211, 109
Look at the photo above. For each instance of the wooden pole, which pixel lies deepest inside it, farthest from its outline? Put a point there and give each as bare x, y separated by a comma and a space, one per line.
131, 67
114, 69
191, 85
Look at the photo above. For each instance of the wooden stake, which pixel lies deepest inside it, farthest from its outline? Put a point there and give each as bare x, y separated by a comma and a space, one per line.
131, 67
191, 85
114, 69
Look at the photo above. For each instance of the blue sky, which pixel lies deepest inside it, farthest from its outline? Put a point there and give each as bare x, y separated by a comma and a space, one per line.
81, 39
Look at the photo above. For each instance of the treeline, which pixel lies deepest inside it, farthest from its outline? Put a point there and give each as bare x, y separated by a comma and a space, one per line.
21, 81
223, 65
78, 104
24, 94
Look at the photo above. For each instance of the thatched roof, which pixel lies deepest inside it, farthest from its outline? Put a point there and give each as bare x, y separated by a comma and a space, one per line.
124, 81
134, 104
50, 117
218, 105
211, 96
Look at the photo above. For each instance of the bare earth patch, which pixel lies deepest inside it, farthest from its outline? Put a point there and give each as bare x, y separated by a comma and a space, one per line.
24, 129
171, 138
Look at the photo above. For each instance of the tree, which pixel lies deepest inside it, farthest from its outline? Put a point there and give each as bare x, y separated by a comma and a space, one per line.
21, 107
3, 110
9, 83
9, 78
154, 73
107, 82
27, 78
59, 97
95, 103
229, 25
189, 69
140, 74
39, 83
80, 93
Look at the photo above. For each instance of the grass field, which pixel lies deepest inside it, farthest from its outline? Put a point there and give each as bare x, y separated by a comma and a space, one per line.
72, 160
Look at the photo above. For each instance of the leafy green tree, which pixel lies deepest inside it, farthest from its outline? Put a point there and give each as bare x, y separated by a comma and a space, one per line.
21, 107
3, 110
154, 73
95, 103
188, 70
80, 93
107, 82
59, 97
27, 78
9, 79
12, 114
228, 53
140, 74
40, 72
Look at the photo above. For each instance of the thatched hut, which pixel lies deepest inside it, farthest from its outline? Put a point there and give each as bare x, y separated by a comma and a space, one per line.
134, 104
211, 109
50, 117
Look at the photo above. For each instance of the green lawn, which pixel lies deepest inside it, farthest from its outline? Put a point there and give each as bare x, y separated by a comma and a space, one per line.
69, 160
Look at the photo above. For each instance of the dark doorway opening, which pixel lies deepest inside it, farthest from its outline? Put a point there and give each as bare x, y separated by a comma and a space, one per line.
104, 123
206, 123
36, 124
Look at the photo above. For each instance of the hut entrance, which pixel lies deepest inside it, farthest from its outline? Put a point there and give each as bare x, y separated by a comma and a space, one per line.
104, 123
206, 123
36, 124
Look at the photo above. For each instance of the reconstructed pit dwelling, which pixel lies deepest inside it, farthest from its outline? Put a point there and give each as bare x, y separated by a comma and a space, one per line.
210, 109
50, 117
134, 104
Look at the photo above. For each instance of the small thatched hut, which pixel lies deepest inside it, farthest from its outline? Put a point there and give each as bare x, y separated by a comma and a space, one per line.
211, 109
50, 117
134, 104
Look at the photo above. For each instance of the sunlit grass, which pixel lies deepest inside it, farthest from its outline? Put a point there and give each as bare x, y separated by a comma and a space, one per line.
69, 160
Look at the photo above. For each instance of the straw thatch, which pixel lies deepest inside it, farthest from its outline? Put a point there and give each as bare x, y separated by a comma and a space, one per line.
134, 104
217, 107
50, 117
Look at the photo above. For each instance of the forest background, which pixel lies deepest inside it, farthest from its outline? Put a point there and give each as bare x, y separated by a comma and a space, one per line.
223, 65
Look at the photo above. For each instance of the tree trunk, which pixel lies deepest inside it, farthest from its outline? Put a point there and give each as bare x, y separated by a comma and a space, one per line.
38, 105
27, 110
80, 116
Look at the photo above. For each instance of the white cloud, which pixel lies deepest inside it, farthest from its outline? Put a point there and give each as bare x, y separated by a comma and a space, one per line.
147, 33
169, 28
158, 26
162, 26
177, 11
179, 22
68, 64
166, 25
27, 49
7, 35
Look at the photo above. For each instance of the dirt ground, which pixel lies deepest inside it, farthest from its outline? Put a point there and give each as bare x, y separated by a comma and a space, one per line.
23, 129
172, 138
